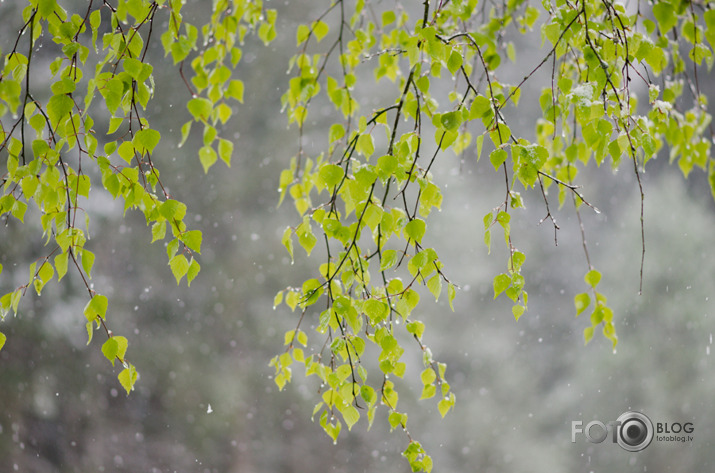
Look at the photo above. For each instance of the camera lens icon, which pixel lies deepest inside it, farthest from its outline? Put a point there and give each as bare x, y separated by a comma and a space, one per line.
635, 431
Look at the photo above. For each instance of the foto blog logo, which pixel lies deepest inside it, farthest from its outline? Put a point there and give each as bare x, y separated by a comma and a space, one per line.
633, 431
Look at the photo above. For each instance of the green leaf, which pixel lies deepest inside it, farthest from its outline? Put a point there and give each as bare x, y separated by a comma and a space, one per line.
388, 260
286, 179
320, 29
597, 316
87, 262
172, 248
210, 133
200, 108
61, 265
185, 130
302, 33
350, 415
454, 62
497, 158
194, 268
122, 344
709, 17
451, 120
288, 242
609, 331
337, 131
38, 122
58, 107
158, 231
46, 8
388, 17
445, 404
46, 272
5, 304
146, 140
415, 230
18, 210
331, 174
133, 67
386, 166
375, 310
14, 300
511, 52
110, 349
126, 151
173, 210
435, 286
2, 340
517, 260
207, 156
396, 419
90, 331
480, 107
665, 15
581, 301
235, 90
193, 239
428, 391
501, 283
96, 307
128, 377
312, 290
451, 294
592, 278
63, 86
504, 218
307, 240
179, 266
428, 376
95, 19
587, 334
368, 394
500, 135
225, 151
366, 145
266, 33
416, 328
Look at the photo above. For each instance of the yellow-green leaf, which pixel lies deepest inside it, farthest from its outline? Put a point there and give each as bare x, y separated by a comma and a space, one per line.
415, 229
179, 267
592, 278
193, 239
207, 156
350, 415
581, 301
225, 151
235, 90
61, 265
109, 349
200, 108
128, 377
194, 268
96, 307
320, 29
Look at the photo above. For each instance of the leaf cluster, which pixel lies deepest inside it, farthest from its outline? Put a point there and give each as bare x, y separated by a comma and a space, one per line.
368, 196
56, 157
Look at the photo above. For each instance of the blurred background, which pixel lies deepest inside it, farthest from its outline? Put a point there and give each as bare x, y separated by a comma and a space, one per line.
206, 401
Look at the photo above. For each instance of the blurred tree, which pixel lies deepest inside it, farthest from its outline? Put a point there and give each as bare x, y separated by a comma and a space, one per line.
377, 189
